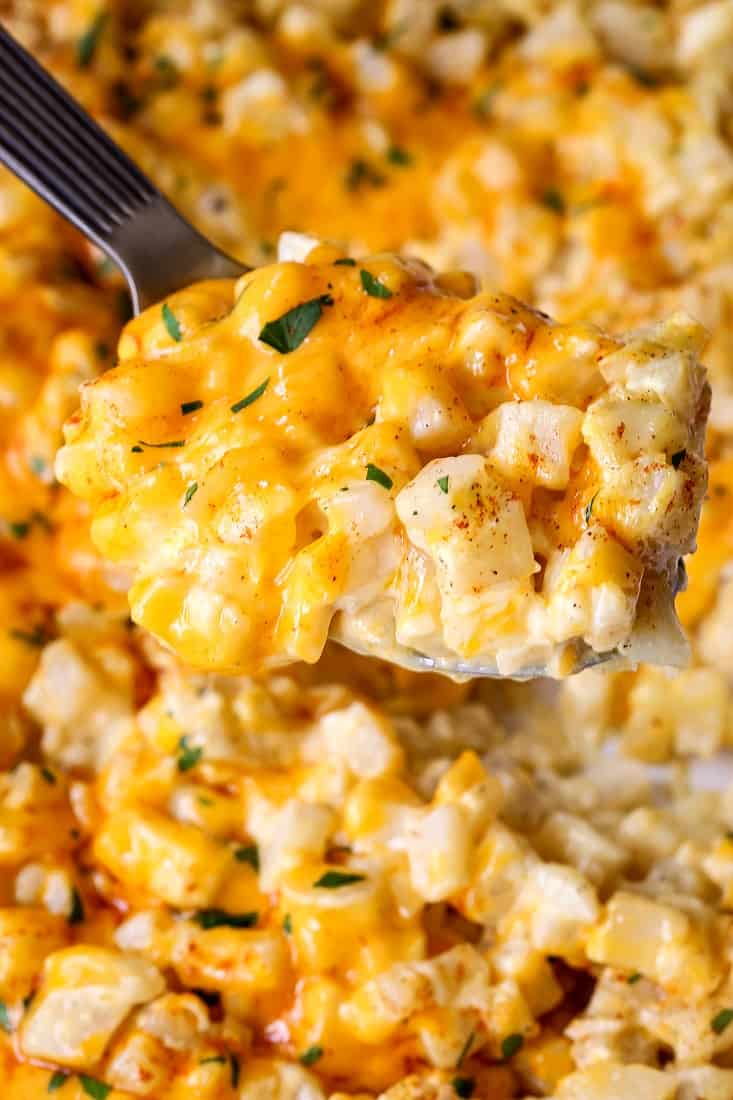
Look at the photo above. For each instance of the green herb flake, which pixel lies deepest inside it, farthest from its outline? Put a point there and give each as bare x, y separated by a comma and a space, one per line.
483, 104
48, 775
720, 1022
137, 449
76, 916
188, 755
5, 1018
511, 1045
215, 1059
465, 1050
37, 464
373, 473
171, 323
345, 261
286, 333
219, 918
361, 174
443, 483
167, 71
464, 1087
190, 492
94, 1088
633, 978
191, 407
288, 924
588, 511
251, 397
234, 1070
36, 637
553, 200
678, 458
398, 156
373, 287
172, 443
332, 880
57, 1081
19, 530
249, 854
310, 1056
86, 47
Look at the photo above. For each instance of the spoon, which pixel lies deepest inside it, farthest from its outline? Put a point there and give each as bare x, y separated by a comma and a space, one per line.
50, 142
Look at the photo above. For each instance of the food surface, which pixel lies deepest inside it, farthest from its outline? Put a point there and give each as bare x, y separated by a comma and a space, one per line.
342, 879
442, 471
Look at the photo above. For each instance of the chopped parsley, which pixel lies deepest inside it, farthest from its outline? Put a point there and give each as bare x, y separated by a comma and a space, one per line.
678, 458
19, 530
399, 156
464, 1087
137, 449
720, 1022
188, 755
249, 854
172, 323
5, 1018
362, 174
167, 71
373, 287
332, 880
94, 1088
57, 1081
511, 1045
234, 1070
190, 492
553, 200
173, 443
251, 397
191, 407
48, 775
373, 473
633, 978
588, 512
465, 1050
219, 918
288, 332
443, 483
36, 637
215, 1059
86, 47
345, 261
483, 103
76, 915
37, 465
311, 1055
288, 924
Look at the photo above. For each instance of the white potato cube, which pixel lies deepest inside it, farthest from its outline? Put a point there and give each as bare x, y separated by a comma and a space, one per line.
473, 528
532, 440
86, 992
617, 430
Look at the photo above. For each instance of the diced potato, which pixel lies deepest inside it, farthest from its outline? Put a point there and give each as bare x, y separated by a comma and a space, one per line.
665, 943
85, 995
613, 1082
27, 937
473, 528
618, 430
150, 853
531, 440
438, 849
233, 960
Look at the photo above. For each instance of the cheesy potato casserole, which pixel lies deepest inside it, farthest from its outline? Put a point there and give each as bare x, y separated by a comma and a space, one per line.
371, 442
340, 880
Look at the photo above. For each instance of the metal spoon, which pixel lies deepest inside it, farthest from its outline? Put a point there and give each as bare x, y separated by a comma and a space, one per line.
53, 145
